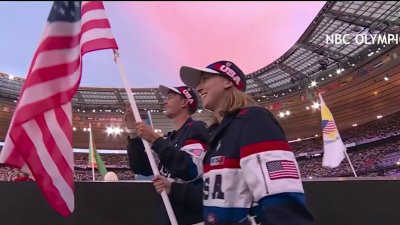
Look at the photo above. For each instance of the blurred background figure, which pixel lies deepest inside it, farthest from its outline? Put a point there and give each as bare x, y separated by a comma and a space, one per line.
111, 176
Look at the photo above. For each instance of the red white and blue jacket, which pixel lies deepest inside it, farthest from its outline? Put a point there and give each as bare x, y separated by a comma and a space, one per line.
180, 155
250, 161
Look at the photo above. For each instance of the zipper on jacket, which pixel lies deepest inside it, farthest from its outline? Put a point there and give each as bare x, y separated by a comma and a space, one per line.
265, 181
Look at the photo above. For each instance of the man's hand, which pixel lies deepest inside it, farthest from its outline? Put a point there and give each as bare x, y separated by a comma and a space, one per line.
129, 118
161, 183
145, 132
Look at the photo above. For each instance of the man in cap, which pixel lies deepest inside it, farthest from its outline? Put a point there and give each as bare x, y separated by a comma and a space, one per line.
180, 152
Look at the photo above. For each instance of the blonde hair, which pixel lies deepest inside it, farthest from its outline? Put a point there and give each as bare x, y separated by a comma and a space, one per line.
235, 101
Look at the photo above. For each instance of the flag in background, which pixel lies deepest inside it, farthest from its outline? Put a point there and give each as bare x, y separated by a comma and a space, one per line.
94, 157
39, 139
333, 144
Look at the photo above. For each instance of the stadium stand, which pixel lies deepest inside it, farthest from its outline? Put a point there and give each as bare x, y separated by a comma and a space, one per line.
358, 82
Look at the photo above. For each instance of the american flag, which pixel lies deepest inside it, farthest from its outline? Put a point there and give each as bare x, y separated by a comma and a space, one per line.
333, 145
39, 140
329, 126
280, 169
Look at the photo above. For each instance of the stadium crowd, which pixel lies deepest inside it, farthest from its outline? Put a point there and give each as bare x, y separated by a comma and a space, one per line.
87, 174
385, 127
367, 158
117, 160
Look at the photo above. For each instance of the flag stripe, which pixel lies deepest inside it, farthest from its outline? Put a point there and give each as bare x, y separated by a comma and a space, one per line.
57, 133
56, 57
34, 133
293, 172
330, 127
51, 147
9, 156
91, 6
26, 112
93, 45
57, 43
96, 14
67, 109
84, 3
293, 175
94, 34
284, 177
53, 72
49, 88
44, 180
93, 24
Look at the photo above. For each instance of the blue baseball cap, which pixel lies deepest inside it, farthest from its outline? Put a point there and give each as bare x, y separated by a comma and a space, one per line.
191, 76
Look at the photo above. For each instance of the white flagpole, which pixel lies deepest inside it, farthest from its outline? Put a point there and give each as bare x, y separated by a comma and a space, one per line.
150, 156
351, 165
91, 152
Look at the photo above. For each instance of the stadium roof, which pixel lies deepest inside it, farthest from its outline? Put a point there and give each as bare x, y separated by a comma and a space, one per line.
312, 58
352, 77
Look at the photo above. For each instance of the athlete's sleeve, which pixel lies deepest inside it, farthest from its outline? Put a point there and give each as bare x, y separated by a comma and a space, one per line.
184, 163
271, 171
138, 161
